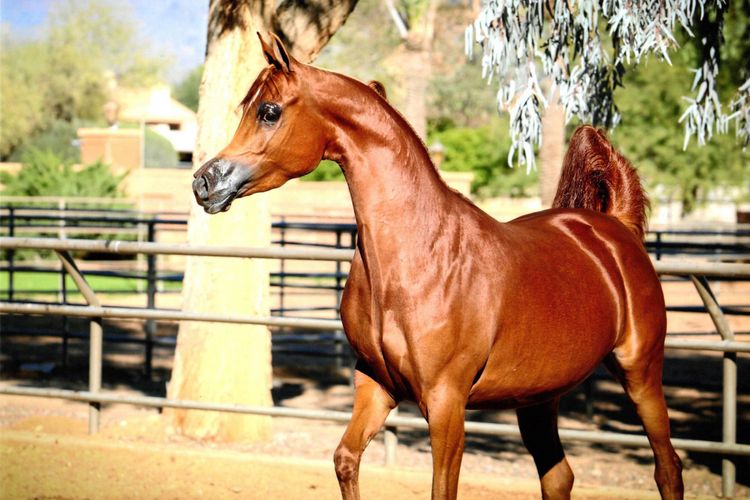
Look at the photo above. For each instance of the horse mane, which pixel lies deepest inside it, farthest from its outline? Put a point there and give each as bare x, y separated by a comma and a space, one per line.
595, 176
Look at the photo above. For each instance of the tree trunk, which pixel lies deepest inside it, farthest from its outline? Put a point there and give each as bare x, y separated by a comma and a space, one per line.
232, 363
552, 151
414, 76
412, 66
219, 362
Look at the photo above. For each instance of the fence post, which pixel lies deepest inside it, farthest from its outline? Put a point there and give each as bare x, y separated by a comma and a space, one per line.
338, 272
390, 438
658, 245
95, 337
282, 235
151, 300
729, 421
63, 295
339, 335
729, 389
11, 252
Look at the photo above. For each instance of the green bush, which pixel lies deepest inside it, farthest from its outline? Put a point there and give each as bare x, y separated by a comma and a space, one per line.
484, 151
159, 151
187, 91
58, 138
326, 171
44, 173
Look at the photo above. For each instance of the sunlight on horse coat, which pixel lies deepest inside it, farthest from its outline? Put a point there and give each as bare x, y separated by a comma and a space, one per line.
446, 306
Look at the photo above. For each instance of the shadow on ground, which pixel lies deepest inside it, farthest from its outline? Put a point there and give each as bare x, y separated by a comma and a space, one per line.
32, 354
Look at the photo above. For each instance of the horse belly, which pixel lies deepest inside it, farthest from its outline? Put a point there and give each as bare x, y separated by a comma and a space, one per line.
549, 346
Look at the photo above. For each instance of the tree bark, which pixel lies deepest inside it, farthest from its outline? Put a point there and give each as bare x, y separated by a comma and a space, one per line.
414, 77
412, 67
219, 362
552, 151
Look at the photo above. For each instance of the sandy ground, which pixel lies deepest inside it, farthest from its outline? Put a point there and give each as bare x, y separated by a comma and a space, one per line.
51, 457
45, 452
81, 467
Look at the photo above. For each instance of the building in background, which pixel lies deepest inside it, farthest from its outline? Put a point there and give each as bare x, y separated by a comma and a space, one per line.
155, 108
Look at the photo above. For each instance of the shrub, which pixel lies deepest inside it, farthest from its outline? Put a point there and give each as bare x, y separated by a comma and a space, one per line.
59, 138
44, 173
159, 152
484, 151
326, 171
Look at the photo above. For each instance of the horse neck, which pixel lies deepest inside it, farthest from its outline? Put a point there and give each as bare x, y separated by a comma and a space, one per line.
391, 178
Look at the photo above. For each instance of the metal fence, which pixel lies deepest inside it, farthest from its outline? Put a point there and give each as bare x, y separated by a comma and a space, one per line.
715, 244
697, 273
66, 221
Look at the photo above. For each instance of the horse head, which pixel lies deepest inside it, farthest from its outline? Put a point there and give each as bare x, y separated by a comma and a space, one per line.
280, 135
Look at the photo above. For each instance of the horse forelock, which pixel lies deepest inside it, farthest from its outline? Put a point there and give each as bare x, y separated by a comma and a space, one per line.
257, 87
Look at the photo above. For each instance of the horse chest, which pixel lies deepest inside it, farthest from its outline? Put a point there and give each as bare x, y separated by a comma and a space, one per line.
379, 325
405, 333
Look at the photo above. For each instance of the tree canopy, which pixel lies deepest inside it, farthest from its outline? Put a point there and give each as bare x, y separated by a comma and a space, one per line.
585, 47
652, 138
63, 75
187, 91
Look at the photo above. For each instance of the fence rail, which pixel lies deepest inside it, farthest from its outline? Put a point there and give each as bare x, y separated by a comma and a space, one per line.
697, 272
71, 219
66, 222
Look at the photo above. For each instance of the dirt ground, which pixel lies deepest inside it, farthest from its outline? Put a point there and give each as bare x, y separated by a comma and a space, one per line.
45, 451
136, 455
75, 467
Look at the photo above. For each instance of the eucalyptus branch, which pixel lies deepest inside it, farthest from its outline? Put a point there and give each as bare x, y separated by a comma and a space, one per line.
564, 41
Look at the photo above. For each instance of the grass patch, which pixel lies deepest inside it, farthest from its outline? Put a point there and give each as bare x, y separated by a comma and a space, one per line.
27, 284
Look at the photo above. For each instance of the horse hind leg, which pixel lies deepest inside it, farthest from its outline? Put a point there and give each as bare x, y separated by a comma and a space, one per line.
538, 426
641, 377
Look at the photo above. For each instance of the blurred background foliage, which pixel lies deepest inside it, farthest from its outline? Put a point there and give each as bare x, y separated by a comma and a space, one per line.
57, 82
652, 138
44, 173
158, 151
62, 75
58, 138
186, 91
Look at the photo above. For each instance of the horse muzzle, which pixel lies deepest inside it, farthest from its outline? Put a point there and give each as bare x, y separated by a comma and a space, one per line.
218, 182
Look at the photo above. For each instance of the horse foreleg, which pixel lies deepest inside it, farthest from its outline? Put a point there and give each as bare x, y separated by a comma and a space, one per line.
642, 381
371, 407
538, 426
445, 411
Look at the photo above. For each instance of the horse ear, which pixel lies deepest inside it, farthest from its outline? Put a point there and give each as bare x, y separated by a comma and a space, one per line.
268, 52
379, 88
280, 54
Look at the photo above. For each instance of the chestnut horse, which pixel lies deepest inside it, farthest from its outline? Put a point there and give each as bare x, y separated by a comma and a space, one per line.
444, 305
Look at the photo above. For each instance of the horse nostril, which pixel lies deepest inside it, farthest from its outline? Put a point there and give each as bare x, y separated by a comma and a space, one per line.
200, 186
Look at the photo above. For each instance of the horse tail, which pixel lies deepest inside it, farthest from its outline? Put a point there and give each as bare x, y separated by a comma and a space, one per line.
597, 177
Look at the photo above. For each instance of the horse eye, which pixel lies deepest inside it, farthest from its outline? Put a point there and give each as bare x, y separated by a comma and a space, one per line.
269, 112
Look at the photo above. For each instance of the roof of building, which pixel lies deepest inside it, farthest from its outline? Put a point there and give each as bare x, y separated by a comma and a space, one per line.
151, 105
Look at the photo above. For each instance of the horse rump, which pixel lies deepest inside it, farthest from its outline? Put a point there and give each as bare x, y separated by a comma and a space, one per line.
595, 176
